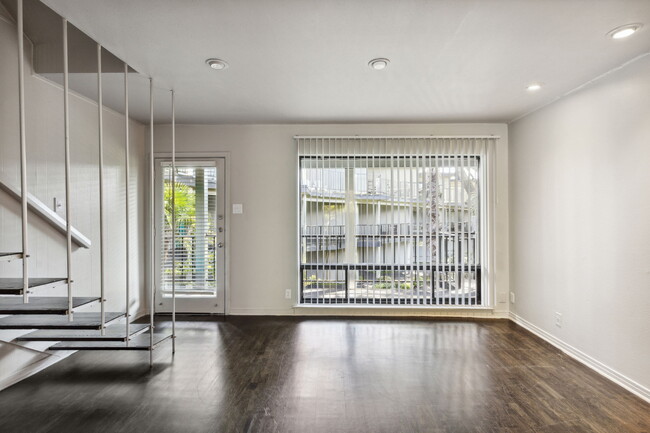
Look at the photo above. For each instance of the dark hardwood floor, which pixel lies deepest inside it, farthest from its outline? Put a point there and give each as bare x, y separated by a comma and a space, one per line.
264, 375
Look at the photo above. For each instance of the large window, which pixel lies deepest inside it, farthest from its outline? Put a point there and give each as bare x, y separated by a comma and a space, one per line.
392, 221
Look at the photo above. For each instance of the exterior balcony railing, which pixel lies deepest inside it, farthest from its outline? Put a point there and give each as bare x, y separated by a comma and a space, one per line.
401, 229
385, 196
395, 284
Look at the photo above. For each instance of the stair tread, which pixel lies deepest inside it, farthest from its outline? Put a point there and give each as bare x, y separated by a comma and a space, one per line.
139, 342
115, 332
14, 286
44, 321
42, 304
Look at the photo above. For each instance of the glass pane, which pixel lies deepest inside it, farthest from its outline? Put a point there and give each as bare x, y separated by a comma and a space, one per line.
392, 230
195, 236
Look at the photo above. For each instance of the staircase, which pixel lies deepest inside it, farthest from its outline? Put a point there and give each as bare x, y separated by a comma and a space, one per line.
24, 300
55, 318
50, 317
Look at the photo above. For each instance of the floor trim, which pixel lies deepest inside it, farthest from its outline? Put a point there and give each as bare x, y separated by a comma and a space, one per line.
259, 312
600, 368
388, 311
375, 311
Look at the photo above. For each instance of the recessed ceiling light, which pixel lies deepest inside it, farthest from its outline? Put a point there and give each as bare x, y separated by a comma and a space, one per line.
624, 31
533, 87
378, 64
217, 64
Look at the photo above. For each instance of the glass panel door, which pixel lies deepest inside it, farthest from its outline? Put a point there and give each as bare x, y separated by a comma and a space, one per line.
198, 269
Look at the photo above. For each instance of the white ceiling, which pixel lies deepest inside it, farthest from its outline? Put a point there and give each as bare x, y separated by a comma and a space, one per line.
306, 60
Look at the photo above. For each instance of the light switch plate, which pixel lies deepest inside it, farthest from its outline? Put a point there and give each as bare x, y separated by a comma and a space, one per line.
238, 208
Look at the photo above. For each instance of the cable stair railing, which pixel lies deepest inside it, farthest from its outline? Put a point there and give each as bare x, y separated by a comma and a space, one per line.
56, 319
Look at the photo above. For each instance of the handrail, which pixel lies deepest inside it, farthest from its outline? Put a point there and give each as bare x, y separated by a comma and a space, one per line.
48, 215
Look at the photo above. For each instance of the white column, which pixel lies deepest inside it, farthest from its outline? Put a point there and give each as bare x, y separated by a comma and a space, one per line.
351, 214
23, 148
66, 130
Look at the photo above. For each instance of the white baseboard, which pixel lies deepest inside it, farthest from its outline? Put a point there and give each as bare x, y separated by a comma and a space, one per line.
600, 368
260, 312
399, 311
349, 311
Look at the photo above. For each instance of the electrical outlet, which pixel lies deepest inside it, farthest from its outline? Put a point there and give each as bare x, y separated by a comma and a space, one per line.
512, 297
287, 294
558, 319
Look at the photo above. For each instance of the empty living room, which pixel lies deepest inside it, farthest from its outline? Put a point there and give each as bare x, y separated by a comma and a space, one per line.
290, 216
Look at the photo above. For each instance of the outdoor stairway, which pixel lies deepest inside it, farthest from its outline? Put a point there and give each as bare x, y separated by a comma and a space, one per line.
4, 256
41, 305
14, 286
115, 332
139, 342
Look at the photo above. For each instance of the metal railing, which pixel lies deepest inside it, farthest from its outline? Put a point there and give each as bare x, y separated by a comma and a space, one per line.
69, 231
402, 229
397, 284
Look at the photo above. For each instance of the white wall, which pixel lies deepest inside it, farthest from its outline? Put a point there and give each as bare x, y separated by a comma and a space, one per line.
580, 222
263, 256
45, 148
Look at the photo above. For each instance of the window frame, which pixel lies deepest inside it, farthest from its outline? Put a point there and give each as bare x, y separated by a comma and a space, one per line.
481, 299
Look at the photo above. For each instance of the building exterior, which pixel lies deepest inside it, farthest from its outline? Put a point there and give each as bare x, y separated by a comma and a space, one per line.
390, 231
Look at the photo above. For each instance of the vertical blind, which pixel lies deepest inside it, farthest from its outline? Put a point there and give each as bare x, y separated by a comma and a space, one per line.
196, 234
396, 220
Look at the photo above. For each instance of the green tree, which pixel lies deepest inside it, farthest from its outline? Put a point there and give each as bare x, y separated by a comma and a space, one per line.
185, 206
185, 224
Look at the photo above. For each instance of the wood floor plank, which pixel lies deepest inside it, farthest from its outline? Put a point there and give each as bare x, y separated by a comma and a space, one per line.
292, 375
